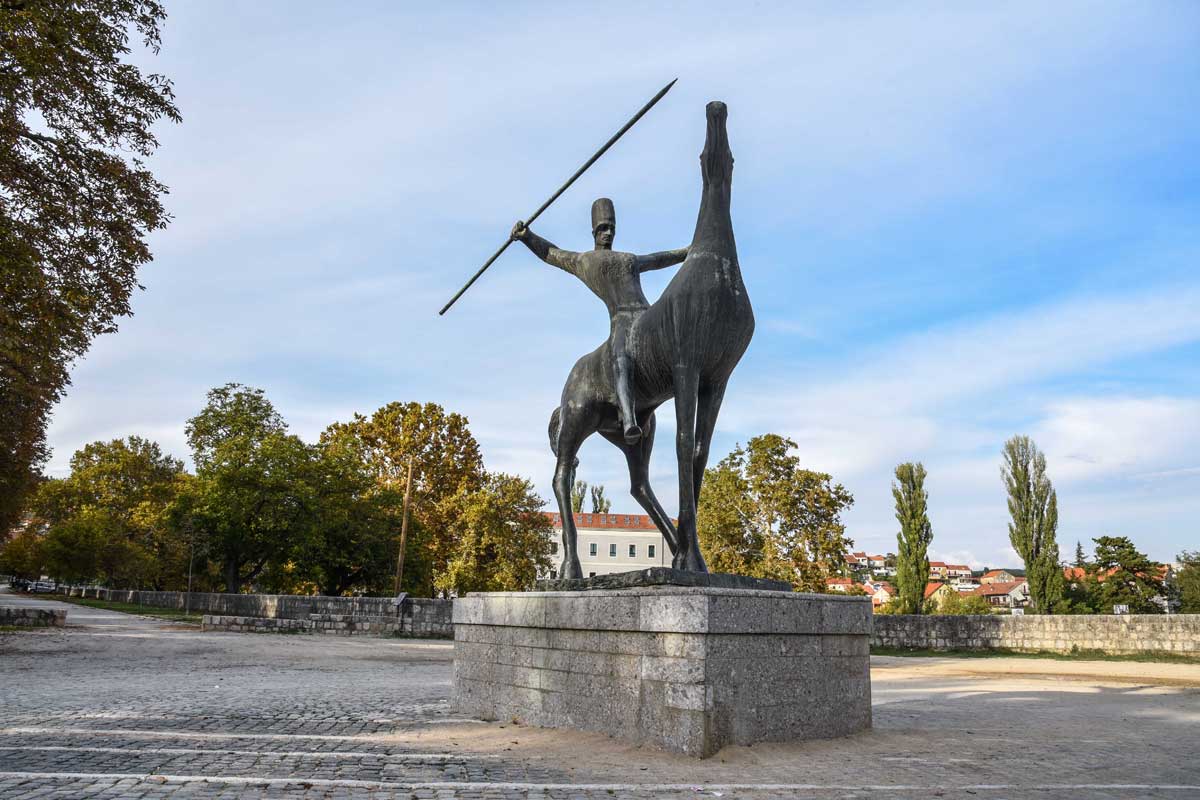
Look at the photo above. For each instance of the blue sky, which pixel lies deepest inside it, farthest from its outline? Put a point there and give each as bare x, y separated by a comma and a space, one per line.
956, 222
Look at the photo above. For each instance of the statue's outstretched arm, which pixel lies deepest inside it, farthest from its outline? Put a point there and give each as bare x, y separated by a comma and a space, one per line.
667, 258
566, 260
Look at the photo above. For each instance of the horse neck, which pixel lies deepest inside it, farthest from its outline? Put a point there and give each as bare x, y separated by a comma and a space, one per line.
714, 226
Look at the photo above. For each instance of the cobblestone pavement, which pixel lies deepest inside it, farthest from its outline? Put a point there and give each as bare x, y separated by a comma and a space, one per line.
117, 706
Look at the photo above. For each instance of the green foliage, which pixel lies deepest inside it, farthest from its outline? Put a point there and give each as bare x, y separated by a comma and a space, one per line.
1080, 558
912, 561
600, 503
1187, 582
253, 501
1033, 507
23, 556
579, 493
1125, 576
761, 515
503, 539
78, 202
108, 520
350, 544
959, 603
447, 467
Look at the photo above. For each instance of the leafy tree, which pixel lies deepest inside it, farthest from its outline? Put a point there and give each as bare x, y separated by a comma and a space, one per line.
762, 515
912, 561
447, 467
579, 493
1125, 577
234, 414
1033, 506
107, 520
90, 546
504, 539
23, 556
958, 604
1187, 582
77, 203
128, 486
253, 501
350, 545
600, 503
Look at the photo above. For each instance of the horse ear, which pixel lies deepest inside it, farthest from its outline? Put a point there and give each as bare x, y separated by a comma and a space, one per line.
716, 161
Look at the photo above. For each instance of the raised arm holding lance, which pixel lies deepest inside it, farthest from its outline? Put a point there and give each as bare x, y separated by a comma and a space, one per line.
566, 260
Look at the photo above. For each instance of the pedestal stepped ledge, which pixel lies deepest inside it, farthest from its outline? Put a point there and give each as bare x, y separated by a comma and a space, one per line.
686, 669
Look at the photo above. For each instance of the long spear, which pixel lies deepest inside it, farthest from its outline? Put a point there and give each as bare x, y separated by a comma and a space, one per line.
562, 189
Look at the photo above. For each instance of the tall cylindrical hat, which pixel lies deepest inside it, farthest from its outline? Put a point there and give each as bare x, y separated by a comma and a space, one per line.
602, 211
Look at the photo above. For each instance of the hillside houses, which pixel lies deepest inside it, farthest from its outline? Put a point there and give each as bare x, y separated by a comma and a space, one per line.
1005, 594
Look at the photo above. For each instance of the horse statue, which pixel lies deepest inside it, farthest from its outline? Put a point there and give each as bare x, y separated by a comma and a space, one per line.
683, 346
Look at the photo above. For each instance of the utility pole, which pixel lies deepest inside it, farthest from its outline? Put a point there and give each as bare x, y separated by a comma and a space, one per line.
404, 526
187, 607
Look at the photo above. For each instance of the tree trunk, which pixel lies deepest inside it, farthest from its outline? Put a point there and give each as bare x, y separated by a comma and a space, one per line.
233, 583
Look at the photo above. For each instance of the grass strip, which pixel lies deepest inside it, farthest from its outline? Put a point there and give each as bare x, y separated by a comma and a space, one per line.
1074, 655
172, 614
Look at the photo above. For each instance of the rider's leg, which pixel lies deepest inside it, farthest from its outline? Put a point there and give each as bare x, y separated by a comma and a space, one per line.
625, 400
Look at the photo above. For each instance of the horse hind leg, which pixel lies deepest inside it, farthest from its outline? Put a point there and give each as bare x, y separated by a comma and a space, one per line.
637, 456
567, 432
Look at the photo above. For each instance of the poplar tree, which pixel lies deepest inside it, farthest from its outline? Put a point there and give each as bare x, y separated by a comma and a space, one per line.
600, 503
579, 493
912, 560
1033, 507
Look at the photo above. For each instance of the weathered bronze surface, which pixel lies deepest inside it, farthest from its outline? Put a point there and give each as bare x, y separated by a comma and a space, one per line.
683, 346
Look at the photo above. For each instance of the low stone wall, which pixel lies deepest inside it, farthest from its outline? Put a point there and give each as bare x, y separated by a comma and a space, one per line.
1118, 635
334, 624
16, 617
418, 616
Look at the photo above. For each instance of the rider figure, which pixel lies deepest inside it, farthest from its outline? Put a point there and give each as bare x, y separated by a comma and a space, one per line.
615, 278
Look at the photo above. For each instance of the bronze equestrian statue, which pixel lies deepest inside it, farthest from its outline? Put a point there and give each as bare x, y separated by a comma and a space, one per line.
683, 346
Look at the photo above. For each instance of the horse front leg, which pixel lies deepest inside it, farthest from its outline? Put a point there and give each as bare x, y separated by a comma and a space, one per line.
687, 554
564, 479
568, 429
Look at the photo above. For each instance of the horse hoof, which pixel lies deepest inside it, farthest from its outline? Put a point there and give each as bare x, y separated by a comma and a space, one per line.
633, 434
570, 569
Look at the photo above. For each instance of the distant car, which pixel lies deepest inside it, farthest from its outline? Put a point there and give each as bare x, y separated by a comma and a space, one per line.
19, 585
45, 586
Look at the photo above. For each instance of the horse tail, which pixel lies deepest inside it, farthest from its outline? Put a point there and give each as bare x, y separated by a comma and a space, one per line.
555, 427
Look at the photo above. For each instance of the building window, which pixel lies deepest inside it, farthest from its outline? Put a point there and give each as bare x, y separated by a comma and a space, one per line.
592, 549
554, 548
650, 550
612, 551
633, 551
553, 574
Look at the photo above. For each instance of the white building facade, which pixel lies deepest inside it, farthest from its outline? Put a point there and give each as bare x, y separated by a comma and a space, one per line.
609, 543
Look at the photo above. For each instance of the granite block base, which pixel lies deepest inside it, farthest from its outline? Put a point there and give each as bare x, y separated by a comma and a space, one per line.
685, 669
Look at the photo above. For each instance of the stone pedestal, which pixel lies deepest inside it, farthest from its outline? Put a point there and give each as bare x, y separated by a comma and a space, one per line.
687, 669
